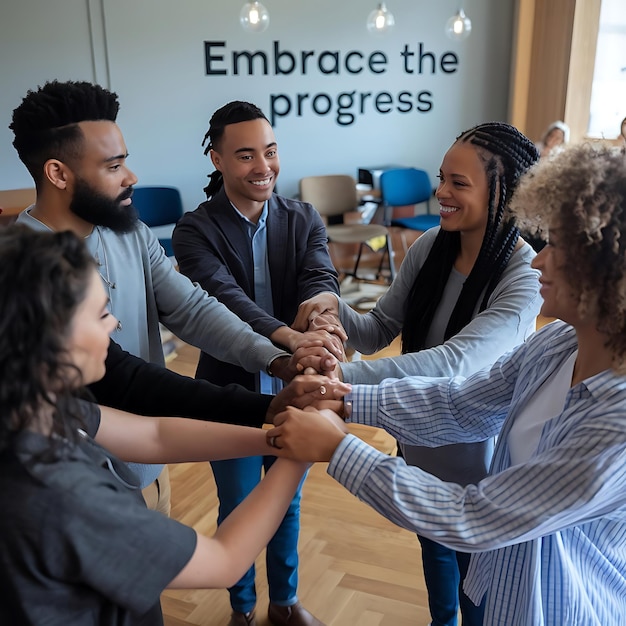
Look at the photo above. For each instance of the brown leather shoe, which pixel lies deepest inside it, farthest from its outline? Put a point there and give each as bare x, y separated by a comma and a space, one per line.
242, 619
294, 615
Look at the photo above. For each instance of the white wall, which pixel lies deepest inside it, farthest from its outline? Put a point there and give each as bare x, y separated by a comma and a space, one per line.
151, 52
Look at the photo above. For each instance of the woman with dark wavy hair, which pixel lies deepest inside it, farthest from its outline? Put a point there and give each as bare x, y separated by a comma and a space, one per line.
547, 526
77, 543
464, 295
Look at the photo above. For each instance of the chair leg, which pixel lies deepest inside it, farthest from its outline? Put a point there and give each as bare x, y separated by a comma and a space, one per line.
388, 252
356, 265
385, 253
405, 245
392, 258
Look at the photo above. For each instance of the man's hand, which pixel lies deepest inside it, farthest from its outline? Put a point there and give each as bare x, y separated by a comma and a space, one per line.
330, 323
311, 355
331, 340
311, 308
321, 313
303, 391
330, 336
306, 435
309, 362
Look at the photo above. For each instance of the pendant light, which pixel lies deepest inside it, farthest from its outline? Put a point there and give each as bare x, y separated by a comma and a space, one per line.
254, 17
380, 20
459, 26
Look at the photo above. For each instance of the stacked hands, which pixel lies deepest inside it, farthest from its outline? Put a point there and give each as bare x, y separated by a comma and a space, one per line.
318, 319
308, 418
307, 414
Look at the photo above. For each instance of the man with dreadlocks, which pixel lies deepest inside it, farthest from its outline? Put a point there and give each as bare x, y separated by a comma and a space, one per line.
261, 255
464, 295
66, 135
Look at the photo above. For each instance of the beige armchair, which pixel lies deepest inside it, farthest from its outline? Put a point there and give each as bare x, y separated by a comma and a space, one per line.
335, 195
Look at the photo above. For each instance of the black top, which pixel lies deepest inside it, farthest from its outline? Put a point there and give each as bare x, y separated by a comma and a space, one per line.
77, 544
133, 385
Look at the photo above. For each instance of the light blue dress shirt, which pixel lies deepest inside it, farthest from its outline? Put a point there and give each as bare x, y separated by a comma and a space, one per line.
262, 283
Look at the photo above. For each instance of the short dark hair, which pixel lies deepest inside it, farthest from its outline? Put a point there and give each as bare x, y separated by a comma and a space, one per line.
44, 276
231, 113
45, 124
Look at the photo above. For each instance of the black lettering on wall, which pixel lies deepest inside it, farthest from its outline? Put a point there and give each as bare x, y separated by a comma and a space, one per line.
377, 58
349, 68
209, 58
344, 107
250, 56
281, 54
449, 62
333, 66
425, 101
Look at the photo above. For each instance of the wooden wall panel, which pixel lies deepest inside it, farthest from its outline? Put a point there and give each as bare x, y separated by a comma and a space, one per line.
553, 62
520, 62
549, 68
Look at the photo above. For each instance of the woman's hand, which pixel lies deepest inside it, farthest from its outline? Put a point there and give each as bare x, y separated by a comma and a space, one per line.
306, 435
320, 392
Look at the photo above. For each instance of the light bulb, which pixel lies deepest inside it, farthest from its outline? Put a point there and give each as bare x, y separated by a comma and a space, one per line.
254, 17
459, 26
380, 20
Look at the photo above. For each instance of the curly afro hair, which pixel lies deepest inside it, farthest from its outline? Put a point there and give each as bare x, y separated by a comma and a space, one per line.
582, 192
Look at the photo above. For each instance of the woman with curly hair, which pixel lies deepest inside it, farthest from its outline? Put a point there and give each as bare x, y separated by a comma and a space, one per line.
547, 526
77, 543
464, 295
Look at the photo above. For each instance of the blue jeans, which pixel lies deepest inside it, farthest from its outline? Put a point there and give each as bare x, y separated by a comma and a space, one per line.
444, 572
235, 479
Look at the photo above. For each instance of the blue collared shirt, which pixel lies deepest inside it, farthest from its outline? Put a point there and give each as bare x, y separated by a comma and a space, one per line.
262, 283
549, 534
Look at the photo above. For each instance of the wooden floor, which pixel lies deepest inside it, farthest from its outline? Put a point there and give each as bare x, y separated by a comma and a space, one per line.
356, 568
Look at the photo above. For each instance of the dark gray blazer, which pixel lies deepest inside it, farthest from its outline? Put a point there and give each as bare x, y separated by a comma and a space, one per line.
213, 248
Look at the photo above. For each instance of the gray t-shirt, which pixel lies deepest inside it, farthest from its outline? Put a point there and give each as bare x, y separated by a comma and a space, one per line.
77, 544
145, 289
462, 463
507, 321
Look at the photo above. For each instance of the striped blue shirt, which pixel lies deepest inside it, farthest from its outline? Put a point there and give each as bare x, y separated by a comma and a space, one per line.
549, 534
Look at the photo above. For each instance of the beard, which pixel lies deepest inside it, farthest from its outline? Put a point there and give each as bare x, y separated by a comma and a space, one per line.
100, 210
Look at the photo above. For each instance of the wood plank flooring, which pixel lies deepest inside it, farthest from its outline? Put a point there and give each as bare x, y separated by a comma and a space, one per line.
356, 568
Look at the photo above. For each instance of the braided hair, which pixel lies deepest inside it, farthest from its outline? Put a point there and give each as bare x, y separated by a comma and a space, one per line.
507, 154
45, 124
231, 113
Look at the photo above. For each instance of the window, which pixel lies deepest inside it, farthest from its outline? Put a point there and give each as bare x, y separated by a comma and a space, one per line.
608, 93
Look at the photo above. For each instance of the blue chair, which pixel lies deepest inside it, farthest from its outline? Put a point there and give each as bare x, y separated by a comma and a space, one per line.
159, 206
407, 186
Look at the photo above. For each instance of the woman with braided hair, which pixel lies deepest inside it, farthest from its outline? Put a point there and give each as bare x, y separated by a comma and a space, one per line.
547, 526
464, 295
